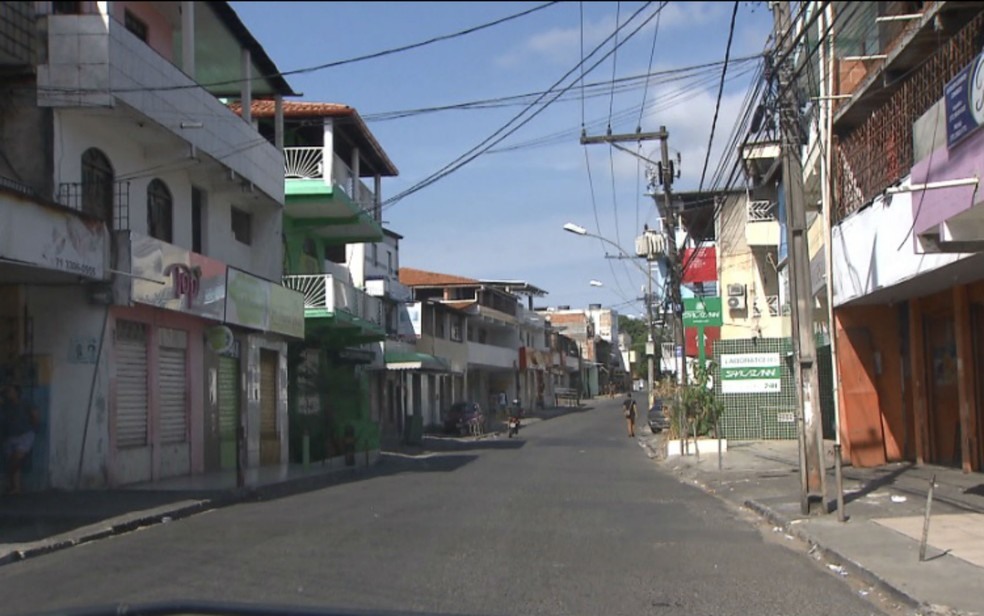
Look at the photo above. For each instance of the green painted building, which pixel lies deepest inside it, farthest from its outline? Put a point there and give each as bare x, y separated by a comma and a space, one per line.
329, 154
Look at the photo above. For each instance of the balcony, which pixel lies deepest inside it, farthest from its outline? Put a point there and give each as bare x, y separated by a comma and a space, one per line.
762, 225
491, 356
93, 61
326, 196
16, 35
329, 297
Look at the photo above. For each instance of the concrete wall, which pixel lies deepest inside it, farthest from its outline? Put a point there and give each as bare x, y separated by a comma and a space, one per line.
874, 250
61, 315
120, 138
738, 263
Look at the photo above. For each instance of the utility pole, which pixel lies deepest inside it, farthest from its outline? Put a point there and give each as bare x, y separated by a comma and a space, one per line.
669, 222
812, 469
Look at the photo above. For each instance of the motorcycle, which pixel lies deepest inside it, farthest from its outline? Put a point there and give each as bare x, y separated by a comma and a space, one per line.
513, 426
514, 419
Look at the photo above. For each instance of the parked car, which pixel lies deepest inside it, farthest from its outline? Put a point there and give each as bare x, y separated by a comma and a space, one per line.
658, 421
460, 415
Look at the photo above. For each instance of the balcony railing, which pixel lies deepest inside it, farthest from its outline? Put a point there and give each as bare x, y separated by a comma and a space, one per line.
761, 211
308, 163
93, 200
330, 294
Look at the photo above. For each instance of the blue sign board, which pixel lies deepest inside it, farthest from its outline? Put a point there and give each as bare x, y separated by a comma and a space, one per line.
964, 96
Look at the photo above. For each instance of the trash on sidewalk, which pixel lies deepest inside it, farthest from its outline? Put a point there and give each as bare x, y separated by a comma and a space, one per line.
837, 569
898, 499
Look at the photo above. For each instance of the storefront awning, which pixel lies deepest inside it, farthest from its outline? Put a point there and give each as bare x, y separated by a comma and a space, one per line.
416, 361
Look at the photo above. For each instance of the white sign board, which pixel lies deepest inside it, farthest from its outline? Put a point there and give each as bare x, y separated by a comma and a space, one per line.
751, 373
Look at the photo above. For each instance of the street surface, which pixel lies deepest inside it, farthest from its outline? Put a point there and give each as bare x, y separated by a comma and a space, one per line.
571, 518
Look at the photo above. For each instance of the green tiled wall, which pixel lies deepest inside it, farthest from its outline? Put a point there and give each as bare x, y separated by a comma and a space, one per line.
758, 415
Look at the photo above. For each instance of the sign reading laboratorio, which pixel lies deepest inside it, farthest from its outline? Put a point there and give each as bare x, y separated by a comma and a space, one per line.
964, 96
751, 373
262, 305
169, 277
48, 238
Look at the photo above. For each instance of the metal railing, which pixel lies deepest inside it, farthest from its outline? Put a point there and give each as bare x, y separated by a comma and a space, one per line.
761, 211
86, 198
329, 293
304, 163
772, 301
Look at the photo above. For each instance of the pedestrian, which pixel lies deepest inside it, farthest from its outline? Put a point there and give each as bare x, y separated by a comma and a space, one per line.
629, 409
18, 421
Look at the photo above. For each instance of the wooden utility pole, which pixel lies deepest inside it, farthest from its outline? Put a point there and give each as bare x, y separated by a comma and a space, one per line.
669, 225
812, 470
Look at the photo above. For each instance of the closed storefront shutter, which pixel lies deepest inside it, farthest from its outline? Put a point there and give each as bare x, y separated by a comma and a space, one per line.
131, 384
173, 379
228, 409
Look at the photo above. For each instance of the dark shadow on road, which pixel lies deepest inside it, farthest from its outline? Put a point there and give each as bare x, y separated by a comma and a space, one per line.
885, 479
190, 607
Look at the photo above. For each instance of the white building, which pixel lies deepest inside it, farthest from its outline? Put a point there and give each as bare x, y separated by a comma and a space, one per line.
143, 218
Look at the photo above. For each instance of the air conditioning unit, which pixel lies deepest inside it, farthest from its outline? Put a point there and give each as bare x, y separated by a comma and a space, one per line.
736, 297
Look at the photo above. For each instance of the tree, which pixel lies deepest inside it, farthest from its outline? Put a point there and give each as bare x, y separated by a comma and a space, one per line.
639, 333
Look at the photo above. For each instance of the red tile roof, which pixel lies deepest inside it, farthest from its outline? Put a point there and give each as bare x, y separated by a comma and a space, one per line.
556, 317
421, 278
297, 109
309, 109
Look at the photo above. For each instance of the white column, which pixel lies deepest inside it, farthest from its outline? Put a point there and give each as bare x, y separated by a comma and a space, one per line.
328, 151
188, 38
355, 175
246, 89
377, 199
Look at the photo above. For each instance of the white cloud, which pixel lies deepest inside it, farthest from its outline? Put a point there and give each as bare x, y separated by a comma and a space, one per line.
559, 44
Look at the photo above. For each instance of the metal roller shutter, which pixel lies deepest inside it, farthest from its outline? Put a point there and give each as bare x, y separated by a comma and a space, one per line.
131, 384
173, 379
228, 409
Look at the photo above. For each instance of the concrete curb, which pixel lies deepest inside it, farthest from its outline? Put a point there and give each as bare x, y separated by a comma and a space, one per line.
852, 566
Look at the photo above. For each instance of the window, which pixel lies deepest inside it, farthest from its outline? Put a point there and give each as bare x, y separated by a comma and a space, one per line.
160, 207
66, 8
439, 324
389, 261
242, 226
335, 254
135, 25
375, 255
456, 323
483, 336
97, 185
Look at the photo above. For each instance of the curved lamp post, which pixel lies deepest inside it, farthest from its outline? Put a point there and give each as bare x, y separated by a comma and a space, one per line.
576, 229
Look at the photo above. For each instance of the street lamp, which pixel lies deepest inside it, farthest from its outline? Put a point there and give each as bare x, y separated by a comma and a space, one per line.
576, 229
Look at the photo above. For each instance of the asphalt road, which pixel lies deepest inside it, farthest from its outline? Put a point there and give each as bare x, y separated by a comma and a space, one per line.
571, 518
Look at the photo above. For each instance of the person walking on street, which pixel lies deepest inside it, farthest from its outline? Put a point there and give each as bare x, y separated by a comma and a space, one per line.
629, 409
18, 420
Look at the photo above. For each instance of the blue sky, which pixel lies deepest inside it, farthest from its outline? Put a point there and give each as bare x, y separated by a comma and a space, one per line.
501, 216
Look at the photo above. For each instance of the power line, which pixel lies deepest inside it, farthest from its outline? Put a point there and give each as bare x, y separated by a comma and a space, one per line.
337, 63
717, 104
505, 131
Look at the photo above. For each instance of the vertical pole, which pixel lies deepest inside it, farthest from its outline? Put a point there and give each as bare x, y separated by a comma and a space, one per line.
246, 87
799, 274
673, 271
701, 354
827, 198
925, 531
651, 345
188, 39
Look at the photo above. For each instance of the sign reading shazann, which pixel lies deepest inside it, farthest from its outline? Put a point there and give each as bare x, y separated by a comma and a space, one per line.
699, 311
751, 373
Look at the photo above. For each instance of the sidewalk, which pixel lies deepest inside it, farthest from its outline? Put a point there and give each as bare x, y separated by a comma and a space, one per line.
885, 506
37, 523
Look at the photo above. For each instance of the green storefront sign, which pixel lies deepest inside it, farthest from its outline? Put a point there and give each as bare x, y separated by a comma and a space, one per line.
702, 311
262, 305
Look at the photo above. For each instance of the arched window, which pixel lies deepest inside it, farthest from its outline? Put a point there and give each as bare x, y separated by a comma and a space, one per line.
97, 185
159, 211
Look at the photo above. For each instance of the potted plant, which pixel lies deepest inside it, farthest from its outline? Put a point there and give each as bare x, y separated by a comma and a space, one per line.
694, 416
